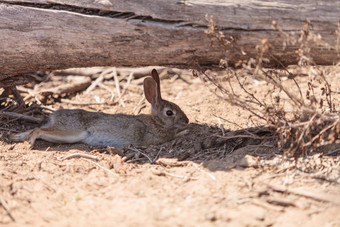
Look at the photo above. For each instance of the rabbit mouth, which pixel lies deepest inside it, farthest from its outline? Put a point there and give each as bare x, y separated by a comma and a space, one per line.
180, 126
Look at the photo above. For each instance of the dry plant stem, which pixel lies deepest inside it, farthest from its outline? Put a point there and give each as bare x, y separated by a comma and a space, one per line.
179, 176
4, 205
203, 171
17, 96
242, 136
22, 116
128, 157
258, 102
62, 89
8, 129
289, 73
231, 122
32, 94
35, 106
338, 39
138, 82
243, 104
138, 151
99, 79
329, 92
9, 107
321, 133
307, 126
101, 167
292, 97
67, 88
266, 205
82, 104
157, 155
95, 83
320, 177
140, 105
280, 202
233, 99
221, 126
101, 85
121, 102
47, 184
319, 196
78, 155
126, 86
300, 140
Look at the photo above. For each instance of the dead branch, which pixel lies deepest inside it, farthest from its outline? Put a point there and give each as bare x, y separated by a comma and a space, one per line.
21, 116
8, 211
95, 83
83, 104
121, 102
73, 87
77, 155
140, 152
319, 196
280, 202
101, 167
126, 86
18, 98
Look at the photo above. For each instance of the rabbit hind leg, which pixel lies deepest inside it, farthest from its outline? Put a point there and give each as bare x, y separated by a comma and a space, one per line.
19, 137
57, 135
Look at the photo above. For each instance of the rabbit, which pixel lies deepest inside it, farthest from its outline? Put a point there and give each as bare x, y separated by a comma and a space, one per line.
165, 122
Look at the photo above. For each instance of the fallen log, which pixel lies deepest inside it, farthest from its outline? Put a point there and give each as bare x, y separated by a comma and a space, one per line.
59, 34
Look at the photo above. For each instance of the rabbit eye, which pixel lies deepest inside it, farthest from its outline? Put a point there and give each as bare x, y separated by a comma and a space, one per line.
169, 113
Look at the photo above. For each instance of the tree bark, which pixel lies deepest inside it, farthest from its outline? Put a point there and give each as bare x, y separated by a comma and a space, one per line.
58, 34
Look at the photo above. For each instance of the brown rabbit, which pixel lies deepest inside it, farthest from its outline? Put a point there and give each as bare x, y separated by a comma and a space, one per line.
71, 126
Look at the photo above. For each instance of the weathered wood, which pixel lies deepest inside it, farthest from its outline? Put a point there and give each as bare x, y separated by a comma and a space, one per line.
58, 34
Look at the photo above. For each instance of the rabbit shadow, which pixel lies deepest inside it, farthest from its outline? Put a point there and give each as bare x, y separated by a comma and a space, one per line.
214, 148
219, 149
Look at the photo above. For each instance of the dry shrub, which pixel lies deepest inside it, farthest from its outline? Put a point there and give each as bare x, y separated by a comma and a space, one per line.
302, 114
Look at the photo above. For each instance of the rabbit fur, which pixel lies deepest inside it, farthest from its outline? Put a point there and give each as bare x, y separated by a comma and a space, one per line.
165, 122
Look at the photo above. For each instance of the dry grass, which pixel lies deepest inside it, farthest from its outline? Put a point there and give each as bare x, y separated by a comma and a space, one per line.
302, 118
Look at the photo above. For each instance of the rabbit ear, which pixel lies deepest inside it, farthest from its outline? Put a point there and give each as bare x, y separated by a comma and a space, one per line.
151, 91
155, 76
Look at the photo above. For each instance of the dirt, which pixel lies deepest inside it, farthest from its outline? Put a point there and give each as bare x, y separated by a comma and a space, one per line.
196, 180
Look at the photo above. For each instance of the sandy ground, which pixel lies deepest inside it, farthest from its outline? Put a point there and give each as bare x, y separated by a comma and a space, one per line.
186, 182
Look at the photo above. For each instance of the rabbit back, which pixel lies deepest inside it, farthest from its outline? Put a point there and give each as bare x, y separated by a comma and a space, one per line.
103, 129
95, 128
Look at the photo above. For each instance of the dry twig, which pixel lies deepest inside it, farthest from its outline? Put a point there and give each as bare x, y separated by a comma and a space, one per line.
319, 196
140, 152
78, 155
310, 124
8, 211
22, 116
95, 83
102, 167
82, 103
205, 172
119, 94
